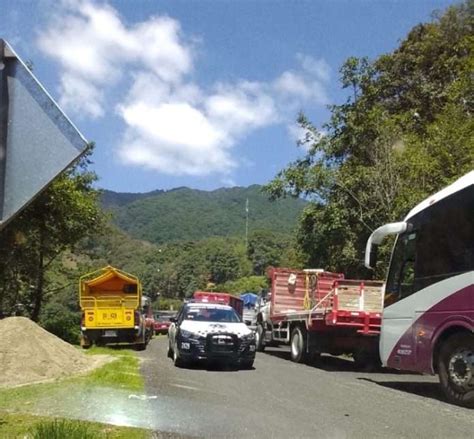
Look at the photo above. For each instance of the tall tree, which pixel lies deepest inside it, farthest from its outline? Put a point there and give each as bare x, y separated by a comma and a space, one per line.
405, 130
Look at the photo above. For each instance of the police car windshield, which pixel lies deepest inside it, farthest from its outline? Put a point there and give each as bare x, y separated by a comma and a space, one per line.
209, 314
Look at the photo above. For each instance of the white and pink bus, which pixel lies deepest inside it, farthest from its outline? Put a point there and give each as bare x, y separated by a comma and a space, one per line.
428, 318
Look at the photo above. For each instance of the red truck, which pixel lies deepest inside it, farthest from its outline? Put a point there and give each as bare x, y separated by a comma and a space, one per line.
223, 298
316, 311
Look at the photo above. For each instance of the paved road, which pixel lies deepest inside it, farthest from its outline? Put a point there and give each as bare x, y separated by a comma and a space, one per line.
281, 399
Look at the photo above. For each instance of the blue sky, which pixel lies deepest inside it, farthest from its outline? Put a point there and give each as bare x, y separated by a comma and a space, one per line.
199, 93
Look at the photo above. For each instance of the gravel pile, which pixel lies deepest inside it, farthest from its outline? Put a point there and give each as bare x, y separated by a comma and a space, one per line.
29, 354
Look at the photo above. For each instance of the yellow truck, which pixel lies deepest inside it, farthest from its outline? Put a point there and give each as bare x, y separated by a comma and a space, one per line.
111, 305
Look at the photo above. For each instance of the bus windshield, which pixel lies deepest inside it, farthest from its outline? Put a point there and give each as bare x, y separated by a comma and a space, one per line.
440, 245
402, 268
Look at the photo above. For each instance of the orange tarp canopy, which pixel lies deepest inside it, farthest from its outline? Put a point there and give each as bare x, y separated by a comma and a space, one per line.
110, 279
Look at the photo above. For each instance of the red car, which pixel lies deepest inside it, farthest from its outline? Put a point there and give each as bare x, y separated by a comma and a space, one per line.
162, 321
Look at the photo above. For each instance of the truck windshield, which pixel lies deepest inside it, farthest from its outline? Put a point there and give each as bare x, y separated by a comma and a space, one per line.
211, 315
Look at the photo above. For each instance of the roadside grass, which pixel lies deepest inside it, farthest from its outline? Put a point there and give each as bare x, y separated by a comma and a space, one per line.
119, 376
25, 426
122, 373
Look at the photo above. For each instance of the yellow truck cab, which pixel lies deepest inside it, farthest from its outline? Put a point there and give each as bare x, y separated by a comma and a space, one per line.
110, 301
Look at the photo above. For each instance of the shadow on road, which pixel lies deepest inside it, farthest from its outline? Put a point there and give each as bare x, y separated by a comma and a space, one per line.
215, 366
427, 390
335, 364
328, 363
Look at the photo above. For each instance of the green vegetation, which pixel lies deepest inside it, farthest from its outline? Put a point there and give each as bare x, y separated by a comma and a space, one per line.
176, 270
122, 373
166, 303
185, 214
61, 321
60, 429
24, 426
405, 131
252, 284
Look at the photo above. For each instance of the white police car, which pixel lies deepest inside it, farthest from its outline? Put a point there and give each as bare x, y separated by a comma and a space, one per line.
210, 331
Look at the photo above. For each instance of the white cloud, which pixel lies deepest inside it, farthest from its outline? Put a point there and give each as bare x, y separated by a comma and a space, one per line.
185, 125
292, 84
79, 94
307, 84
317, 67
94, 47
240, 107
171, 124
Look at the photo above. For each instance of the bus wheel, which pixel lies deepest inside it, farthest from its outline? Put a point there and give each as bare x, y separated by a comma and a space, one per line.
260, 338
298, 345
456, 369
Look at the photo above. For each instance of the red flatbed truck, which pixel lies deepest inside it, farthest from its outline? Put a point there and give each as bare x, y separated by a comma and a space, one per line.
223, 298
315, 311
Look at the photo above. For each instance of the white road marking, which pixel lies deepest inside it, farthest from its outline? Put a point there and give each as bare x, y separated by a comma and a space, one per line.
182, 386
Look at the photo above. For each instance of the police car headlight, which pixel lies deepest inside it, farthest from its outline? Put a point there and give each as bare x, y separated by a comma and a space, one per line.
249, 337
186, 334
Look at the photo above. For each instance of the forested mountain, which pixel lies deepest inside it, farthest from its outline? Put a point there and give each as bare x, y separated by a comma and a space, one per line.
185, 214
111, 199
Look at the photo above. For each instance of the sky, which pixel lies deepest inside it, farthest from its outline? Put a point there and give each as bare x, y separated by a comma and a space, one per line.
203, 94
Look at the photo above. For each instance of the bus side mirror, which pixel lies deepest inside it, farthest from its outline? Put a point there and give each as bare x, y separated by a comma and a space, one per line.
377, 237
374, 252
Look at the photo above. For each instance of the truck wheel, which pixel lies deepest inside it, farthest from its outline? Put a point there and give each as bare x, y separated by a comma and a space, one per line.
150, 336
456, 369
140, 346
260, 338
298, 345
85, 342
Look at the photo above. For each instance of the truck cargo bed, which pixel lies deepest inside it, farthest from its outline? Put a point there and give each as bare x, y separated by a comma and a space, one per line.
325, 298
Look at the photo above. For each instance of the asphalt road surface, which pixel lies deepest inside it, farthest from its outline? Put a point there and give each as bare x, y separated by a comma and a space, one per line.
281, 399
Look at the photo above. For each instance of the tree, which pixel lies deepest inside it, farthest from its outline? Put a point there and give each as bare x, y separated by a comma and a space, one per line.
405, 130
266, 248
55, 221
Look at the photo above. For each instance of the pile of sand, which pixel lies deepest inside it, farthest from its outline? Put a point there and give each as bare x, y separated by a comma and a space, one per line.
30, 354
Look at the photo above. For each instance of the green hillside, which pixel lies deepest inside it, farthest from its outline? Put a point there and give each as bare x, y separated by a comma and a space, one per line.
189, 214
